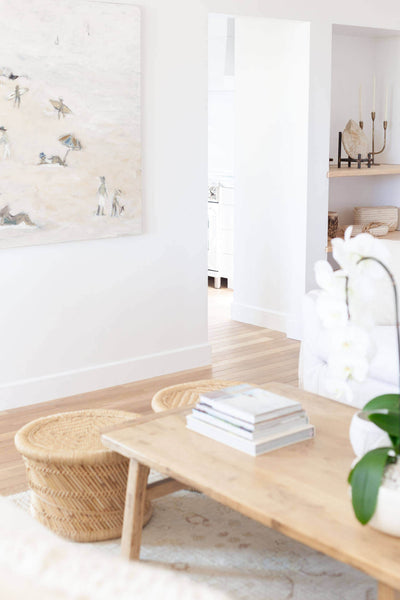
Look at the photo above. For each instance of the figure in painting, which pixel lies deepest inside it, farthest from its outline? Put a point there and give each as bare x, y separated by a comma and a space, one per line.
60, 107
16, 95
116, 208
102, 196
5, 142
6, 72
6, 218
51, 160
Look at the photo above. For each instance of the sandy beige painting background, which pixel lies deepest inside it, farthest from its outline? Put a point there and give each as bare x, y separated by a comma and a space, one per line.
88, 53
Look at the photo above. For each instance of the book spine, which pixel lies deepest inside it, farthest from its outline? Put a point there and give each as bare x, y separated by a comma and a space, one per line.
277, 426
239, 420
221, 436
249, 447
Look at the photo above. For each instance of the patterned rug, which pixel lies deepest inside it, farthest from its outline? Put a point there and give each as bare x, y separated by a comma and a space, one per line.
215, 545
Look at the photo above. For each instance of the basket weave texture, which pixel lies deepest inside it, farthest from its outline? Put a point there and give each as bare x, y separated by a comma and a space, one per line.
385, 215
77, 485
186, 394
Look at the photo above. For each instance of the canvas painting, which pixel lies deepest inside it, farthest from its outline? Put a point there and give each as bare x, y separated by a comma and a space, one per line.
70, 147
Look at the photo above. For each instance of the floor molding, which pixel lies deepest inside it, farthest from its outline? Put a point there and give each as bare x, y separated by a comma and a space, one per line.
50, 387
253, 315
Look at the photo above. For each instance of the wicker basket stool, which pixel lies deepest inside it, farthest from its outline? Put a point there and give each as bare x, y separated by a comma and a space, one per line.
77, 485
186, 394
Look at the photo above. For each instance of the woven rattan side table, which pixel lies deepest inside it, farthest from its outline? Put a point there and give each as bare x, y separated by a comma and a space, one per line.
186, 394
77, 485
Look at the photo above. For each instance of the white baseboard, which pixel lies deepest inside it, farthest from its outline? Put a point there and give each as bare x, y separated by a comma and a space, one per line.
69, 383
253, 315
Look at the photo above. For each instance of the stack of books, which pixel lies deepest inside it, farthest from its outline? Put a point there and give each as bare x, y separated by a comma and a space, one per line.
250, 419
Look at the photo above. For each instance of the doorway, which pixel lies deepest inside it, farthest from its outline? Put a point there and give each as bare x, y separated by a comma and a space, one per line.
258, 100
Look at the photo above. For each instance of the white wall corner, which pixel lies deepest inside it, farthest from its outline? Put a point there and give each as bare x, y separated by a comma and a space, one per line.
60, 385
261, 317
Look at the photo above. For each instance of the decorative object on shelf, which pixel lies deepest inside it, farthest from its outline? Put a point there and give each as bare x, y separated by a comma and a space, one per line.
333, 224
375, 478
355, 142
384, 215
373, 115
375, 229
385, 123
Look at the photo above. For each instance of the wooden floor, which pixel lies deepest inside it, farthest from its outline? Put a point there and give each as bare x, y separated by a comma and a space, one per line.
241, 352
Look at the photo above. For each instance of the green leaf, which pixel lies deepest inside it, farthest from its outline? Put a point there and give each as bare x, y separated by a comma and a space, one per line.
389, 401
365, 479
389, 422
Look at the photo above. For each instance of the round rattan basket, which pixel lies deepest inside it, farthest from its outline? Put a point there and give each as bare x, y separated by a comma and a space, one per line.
186, 394
77, 485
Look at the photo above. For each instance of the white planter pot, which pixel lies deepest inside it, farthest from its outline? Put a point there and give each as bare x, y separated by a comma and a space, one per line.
366, 436
387, 514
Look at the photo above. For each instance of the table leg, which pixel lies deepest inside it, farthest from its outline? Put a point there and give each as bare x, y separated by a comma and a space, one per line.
134, 510
387, 593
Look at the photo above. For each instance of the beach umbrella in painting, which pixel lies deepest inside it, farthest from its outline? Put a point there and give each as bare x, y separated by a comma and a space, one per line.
71, 142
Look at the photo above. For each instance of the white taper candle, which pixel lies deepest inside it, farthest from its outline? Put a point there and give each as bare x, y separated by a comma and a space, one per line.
373, 93
386, 103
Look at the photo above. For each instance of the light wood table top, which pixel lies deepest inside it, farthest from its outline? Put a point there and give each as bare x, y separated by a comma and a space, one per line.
300, 490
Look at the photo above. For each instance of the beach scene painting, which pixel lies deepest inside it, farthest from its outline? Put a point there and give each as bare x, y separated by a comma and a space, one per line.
70, 141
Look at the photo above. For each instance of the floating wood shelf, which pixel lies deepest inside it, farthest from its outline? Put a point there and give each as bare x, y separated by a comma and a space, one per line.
392, 236
344, 171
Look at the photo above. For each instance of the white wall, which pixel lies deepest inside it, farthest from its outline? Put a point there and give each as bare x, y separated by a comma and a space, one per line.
272, 85
105, 312
371, 52
82, 316
221, 97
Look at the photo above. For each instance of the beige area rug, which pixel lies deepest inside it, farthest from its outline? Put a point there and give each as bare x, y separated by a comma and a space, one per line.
215, 545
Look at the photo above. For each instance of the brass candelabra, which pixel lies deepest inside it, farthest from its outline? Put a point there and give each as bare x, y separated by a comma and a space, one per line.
385, 123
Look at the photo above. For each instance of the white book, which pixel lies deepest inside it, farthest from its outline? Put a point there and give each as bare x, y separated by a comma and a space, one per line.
250, 447
253, 432
297, 411
248, 403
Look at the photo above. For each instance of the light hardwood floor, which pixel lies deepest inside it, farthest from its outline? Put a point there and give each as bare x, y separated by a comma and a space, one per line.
239, 351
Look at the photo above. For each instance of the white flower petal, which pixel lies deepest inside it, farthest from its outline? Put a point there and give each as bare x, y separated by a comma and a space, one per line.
331, 311
323, 274
348, 232
339, 390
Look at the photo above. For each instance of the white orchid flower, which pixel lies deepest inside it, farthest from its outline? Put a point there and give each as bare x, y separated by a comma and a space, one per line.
333, 282
350, 338
346, 308
350, 251
348, 365
339, 390
332, 311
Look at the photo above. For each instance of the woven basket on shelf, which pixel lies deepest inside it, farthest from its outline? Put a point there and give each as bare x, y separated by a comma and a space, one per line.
388, 215
186, 394
77, 485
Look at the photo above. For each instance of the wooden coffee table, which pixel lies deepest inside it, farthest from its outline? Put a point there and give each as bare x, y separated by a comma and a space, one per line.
300, 490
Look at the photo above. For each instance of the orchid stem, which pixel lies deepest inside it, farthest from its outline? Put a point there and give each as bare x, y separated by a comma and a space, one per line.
347, 299
396, 304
